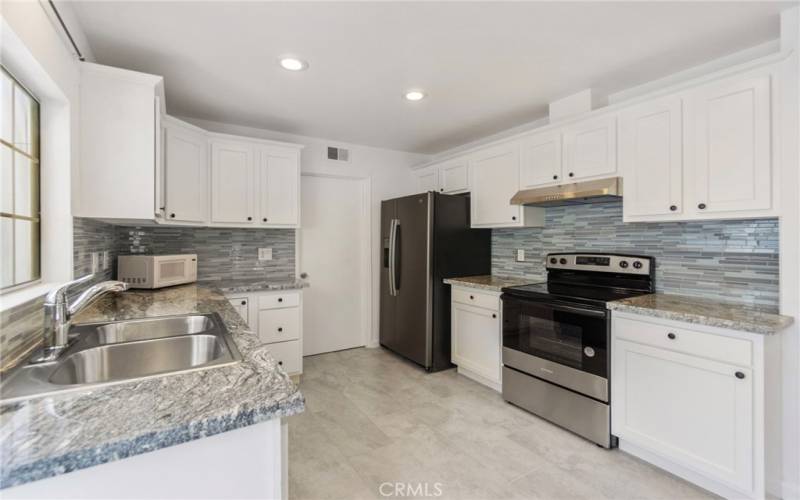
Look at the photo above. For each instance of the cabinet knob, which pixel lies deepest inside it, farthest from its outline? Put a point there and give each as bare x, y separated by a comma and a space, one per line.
244, 302
249, 218
701, 206
494, 315
280, 328
671, 336
280, 363
513, 217
572, 174
171, 216
264, 219
672, 208
555, 177
471, 297
739, 375
280, 299
441, 190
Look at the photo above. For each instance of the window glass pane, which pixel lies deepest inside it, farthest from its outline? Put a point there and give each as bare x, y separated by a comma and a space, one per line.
6, 108
6, 181
26, 186
26, 250
25, 115
6, 252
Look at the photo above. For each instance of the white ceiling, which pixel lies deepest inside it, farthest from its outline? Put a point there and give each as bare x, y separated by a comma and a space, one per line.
485, 66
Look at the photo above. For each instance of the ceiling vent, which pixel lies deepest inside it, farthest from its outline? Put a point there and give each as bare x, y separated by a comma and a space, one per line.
338, 154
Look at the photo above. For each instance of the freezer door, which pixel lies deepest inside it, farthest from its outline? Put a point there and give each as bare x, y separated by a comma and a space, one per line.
413, 308
388, 301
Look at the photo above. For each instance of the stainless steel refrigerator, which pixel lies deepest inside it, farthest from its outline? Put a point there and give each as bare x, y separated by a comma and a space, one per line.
426, 238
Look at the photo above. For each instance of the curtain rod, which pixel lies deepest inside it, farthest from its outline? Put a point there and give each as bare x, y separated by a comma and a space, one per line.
64, 27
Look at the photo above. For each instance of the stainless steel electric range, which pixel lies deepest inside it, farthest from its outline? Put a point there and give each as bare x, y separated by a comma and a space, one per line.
556, 338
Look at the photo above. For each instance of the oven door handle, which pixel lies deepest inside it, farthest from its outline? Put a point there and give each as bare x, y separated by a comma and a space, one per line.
577, 310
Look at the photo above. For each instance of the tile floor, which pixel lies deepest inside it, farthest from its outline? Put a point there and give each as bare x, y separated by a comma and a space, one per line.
373, 418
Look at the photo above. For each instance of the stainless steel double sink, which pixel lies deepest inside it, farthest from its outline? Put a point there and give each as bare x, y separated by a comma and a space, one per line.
119, 351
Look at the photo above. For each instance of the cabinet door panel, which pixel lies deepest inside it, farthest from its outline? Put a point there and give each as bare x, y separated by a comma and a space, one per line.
651, 158
428, 179
232, 186
241, 306
692, 410
186, 175
733, 164
495, 179
541, 160
278, 188
590, 149
476, 340
454, 177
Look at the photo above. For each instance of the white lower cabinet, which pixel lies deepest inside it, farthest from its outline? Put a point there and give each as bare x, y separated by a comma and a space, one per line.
276, 316
690, 399
476, 335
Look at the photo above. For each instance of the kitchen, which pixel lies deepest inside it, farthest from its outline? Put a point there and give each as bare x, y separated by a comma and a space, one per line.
233, 280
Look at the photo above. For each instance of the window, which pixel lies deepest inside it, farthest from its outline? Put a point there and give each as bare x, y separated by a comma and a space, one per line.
19, 185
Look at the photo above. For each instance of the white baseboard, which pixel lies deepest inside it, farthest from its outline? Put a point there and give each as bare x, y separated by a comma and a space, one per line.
789, 491
480, 379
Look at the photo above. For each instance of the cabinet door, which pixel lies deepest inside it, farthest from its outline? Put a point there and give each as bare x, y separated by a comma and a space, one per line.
232, 186
732, 160
186, 174
540, 160
288, 355
476, 340
454, 177
590, 149
279, 188
651, 157
428, 179
240, 304
693, 411
495, 179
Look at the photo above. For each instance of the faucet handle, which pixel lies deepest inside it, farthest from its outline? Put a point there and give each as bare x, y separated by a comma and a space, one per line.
59, 295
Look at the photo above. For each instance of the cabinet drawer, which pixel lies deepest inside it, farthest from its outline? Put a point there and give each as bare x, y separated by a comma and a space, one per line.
288, 355
278, 300
278, 325
696, 343
475, 298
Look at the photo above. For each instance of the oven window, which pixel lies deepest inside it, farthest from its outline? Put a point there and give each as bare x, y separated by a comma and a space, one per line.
566, 337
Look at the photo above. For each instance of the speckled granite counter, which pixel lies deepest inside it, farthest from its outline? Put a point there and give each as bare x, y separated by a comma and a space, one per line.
53, 435
493, 283
704, 312
259, 285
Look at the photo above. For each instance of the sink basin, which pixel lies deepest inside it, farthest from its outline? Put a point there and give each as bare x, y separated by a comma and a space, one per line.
114, 352
138, 359
144, 329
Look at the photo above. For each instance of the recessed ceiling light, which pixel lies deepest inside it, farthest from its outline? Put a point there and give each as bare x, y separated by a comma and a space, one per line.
293, 64
415, 95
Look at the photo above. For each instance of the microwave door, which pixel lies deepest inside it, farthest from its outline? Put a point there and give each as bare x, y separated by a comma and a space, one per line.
171, 272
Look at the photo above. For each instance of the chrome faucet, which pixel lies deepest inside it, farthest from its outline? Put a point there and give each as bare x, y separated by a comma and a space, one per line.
58, 313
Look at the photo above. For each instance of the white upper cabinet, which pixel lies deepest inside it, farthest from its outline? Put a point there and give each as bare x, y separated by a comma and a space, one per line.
278, 187
186, 172
454, 177
232, 182
494, 177
651, 158
428, 179
120, 143
541, 160
732, 146
590, 149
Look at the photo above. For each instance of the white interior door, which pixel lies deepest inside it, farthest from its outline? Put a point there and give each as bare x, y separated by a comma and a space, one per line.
334, 253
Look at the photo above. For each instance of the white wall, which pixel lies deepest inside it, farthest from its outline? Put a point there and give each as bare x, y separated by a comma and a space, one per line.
34, 51
389, 172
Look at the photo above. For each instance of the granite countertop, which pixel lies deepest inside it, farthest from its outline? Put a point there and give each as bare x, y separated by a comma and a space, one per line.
52, 435
254, 285
704, 312
490, 282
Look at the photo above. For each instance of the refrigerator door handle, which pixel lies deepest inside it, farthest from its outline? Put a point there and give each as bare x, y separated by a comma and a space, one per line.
395, 280
392, 234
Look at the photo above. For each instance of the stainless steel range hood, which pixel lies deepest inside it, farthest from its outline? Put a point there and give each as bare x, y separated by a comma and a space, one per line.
578, 193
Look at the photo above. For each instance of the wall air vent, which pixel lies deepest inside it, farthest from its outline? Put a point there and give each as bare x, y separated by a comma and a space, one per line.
338, 154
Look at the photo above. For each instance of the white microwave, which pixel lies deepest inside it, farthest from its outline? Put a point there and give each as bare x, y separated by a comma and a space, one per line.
157, 271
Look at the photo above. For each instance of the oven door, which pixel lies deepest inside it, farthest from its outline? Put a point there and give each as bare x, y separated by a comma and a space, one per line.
563, 343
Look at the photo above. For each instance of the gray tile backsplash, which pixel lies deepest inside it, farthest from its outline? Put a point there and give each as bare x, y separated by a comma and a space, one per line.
734, 260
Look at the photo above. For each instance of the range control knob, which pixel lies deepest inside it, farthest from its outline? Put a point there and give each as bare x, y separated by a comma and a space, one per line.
623, 264
553, 260
637, 264
562, 260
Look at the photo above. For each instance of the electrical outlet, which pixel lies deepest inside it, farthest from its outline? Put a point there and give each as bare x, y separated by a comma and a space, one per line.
95, 262
106, 260
520, 255
264, 254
